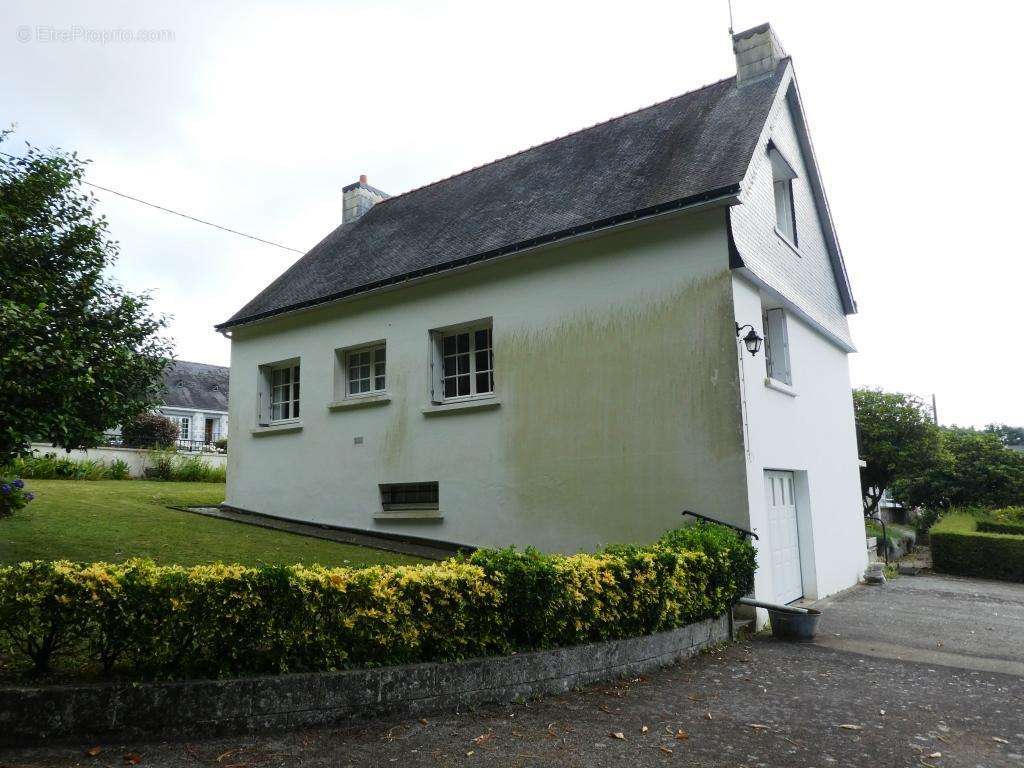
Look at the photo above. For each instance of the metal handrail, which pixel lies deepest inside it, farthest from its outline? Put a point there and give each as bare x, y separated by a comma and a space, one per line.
743, 531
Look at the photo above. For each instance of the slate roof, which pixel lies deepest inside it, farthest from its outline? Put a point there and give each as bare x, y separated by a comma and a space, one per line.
196, 385
691, 147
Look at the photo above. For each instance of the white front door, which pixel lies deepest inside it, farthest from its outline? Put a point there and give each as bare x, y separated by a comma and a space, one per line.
783, 537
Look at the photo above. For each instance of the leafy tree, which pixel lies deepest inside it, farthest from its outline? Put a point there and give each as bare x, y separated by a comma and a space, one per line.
977, 471
897, 439
1007, 435
149, 430
79, 355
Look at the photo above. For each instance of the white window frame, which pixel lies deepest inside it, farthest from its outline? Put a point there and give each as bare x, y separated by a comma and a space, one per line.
269, 392
782, 189
776, 346
184, 427
438, 377
377, 369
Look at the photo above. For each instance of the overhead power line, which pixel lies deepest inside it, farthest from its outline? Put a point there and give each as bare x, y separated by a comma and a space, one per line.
179, 213
194, 218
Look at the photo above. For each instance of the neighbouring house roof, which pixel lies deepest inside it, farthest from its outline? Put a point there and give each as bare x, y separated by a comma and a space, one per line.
690, 148
196, 386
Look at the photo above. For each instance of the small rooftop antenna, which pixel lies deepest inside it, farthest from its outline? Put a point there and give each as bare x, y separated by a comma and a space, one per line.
729, 2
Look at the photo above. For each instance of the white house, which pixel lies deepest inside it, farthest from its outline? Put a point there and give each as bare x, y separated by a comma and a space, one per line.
196, 399
550, 349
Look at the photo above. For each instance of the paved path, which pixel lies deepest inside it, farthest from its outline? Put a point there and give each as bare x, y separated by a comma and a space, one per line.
759, 703
969, 623
797, 696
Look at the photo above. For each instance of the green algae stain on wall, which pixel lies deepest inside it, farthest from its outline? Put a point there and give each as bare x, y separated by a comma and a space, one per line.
395, 443
622, 416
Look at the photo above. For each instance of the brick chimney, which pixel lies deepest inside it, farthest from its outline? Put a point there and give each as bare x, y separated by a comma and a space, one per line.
758, 51
358, 198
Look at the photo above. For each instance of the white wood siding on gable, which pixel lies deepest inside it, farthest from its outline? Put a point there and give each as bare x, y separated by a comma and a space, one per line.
806, 276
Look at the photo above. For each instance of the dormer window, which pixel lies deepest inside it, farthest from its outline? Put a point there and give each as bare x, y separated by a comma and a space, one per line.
782, 182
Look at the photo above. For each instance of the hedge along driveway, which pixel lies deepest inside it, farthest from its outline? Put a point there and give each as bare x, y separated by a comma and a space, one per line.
145, 621
960, 548
113, 520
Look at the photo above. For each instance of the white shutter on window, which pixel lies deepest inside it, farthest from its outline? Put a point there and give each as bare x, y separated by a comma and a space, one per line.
263, 386
436, 368
777, 352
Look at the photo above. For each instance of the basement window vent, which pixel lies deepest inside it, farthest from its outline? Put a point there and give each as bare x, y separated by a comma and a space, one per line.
396, 497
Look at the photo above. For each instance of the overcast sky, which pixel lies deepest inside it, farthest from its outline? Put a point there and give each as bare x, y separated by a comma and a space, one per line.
254, 116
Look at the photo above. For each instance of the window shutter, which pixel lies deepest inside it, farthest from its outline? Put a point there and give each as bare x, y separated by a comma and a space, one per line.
263, 396
778, 346
436, 368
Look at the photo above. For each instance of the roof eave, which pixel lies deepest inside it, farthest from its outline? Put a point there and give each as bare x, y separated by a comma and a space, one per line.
723, 196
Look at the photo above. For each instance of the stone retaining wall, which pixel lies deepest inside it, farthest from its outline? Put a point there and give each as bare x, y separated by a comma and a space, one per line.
212, 707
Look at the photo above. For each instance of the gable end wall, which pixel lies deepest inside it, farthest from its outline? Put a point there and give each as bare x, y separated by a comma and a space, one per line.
807, 279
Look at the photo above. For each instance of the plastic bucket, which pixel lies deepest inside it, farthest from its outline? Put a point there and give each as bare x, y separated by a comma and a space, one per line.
794, 625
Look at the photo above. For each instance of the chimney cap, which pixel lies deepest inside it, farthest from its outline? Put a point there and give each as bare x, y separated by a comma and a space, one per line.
362, 178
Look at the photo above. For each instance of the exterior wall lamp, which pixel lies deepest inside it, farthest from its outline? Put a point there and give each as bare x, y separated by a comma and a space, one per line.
751, 340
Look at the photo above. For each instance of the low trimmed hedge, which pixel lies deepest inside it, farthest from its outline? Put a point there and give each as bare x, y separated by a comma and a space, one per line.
961, 547
140, 620
998, 526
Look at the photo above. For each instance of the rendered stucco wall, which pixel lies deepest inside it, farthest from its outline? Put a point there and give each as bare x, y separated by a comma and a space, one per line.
811, 432
616, 371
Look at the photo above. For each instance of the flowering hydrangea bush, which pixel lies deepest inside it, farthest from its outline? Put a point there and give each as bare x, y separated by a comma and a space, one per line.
13, 496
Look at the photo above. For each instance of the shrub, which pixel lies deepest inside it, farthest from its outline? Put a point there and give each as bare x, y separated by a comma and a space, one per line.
50, 466
44, 610
169, 465
926, 518
161, 464
195, 469
148, 621
149, 430
119, 470
688, 575
735, 555
1009, 515
221, 445
959, 547
13, 496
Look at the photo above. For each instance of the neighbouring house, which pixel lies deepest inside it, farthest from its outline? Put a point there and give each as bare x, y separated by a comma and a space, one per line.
195, 397
551, 349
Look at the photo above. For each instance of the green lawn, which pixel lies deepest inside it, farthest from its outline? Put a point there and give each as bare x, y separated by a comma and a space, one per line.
112, 520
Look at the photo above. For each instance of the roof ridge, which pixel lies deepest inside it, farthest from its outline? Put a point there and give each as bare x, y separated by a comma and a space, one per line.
193, 362
553, 140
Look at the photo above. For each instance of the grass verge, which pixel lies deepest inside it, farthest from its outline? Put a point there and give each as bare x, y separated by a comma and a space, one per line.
111, 520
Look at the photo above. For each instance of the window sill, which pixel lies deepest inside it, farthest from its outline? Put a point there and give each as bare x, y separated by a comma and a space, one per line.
787, 241
409, 514
779, 386
277, 429
360, 401
462, 406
